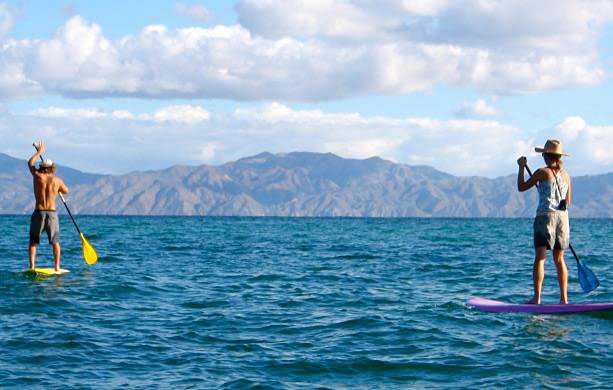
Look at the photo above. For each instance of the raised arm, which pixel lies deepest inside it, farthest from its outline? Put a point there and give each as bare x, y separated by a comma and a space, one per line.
522, 184
40, 149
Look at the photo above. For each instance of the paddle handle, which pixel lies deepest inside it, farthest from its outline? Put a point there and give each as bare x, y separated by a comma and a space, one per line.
69, 213
65, 205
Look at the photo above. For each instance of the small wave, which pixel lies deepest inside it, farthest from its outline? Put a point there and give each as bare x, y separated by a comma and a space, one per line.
246, 384
356, 256
266, 278
213, 304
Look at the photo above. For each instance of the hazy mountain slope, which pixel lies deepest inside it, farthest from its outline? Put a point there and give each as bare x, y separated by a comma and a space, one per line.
299, 184
16, 184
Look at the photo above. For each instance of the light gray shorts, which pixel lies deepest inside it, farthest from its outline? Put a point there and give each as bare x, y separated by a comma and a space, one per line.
552, 230
44, 220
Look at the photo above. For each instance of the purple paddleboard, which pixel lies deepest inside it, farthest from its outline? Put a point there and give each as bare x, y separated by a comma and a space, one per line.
492, 306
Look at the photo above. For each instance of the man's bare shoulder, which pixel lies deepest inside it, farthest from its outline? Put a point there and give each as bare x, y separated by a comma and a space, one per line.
60, 185
38, 176
57, 180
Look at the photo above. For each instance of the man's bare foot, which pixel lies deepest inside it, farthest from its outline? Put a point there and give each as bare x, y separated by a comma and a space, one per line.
534, 301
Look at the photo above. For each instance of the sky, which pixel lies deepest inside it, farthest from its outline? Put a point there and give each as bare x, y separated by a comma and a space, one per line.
464, 86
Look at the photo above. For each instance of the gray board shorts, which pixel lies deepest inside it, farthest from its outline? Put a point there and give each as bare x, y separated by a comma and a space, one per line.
44, 220
552, 230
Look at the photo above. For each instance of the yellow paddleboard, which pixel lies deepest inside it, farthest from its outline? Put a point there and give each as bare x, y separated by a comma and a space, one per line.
47, 271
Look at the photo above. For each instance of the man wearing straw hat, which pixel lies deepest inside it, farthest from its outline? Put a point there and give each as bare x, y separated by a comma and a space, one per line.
47, 186
551, 227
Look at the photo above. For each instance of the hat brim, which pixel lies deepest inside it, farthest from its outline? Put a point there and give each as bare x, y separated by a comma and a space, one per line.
543, 150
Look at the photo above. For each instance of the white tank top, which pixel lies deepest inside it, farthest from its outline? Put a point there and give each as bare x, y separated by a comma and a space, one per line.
549, 196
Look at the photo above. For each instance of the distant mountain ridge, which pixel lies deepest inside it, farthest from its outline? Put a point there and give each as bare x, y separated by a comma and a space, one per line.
298, 184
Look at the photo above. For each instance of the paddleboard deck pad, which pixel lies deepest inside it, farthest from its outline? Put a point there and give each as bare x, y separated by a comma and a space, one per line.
493, 306
47, 271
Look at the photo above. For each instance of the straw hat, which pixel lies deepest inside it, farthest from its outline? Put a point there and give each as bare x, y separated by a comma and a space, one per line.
552, 146
46, 163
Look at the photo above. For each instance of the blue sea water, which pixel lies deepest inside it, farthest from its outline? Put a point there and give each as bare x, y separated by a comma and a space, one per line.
297, 303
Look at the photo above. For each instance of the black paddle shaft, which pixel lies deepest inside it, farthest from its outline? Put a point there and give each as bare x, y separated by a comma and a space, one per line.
569, 245
65, 205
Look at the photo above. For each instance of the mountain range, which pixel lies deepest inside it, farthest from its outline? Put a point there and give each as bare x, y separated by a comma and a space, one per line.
298, 184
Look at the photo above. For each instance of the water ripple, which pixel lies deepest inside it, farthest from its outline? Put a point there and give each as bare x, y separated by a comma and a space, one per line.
282, 303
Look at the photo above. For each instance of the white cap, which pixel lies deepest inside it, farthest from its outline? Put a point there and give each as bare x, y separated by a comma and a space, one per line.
46, 163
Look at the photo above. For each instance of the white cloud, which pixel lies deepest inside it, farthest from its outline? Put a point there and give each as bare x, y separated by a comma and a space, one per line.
478, 108
327, 19
222, 62
14, 83
296, 50
120, 140
463, 146
182, 113
420, 7
122, 115
196, 12
185, 113
498, 46
279, 114
572, 127
208, 151
517, 25
69, 113
7, 19
78, 61
589, 146
502, 24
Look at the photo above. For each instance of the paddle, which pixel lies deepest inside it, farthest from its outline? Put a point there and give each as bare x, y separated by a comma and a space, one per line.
89, 253
587, 279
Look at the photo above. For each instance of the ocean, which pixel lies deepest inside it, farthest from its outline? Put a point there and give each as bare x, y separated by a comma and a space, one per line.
297, 303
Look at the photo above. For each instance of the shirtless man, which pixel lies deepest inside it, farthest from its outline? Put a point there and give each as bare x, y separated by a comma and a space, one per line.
47, 186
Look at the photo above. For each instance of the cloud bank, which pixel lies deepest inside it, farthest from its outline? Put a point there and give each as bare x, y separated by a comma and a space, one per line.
296, 50
191, 134
589, 145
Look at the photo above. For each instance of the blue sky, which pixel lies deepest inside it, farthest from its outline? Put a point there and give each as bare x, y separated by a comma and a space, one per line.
465, 86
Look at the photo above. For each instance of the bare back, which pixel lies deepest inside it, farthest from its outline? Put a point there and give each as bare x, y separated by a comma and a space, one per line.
46, 188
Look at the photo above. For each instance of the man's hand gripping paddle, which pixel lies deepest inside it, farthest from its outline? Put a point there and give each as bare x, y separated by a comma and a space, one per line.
587, 279
89, 253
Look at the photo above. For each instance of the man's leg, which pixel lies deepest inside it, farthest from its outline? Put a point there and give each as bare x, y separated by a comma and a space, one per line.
538, 273
57, 252
558, 259
36, 227
53, 231
32, 253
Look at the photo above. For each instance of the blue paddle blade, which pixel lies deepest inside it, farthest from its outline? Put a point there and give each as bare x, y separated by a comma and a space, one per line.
587, 279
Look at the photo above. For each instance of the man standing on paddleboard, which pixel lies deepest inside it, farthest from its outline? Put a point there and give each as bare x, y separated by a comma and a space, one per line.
551, 227
47, 186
